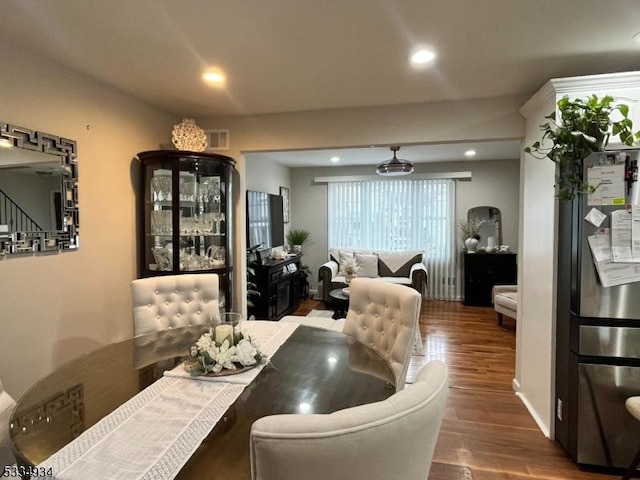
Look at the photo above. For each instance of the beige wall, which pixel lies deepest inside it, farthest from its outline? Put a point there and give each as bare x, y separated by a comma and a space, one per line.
56, 306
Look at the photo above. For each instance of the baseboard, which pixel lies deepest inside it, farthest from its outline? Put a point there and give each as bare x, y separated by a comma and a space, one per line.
543, 428
515, 384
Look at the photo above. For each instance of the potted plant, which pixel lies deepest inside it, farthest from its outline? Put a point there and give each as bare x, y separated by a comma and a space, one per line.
578, 128
298, 238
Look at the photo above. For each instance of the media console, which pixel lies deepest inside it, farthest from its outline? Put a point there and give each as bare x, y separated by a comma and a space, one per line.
280, 285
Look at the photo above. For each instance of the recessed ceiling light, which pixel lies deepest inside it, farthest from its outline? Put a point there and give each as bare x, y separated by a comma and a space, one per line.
214, 78
422, 57
5, 142
335, 159
470, 153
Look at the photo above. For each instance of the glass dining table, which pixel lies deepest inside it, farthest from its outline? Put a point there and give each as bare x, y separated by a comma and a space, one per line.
313, 371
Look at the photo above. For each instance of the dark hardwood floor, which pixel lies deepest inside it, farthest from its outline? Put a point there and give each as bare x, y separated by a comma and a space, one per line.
487, 433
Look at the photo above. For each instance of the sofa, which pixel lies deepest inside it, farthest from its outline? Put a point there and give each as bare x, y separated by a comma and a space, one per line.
404, 267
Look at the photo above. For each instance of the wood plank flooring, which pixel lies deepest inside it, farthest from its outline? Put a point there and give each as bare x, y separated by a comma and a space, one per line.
487, 433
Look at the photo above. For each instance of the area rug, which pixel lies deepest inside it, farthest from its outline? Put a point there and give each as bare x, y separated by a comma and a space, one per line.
417, 344
320, 313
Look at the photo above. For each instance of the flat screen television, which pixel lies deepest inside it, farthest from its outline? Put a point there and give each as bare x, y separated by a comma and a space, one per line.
265, 222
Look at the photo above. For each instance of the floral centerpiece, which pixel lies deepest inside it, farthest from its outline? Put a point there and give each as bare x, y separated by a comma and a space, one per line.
221, 351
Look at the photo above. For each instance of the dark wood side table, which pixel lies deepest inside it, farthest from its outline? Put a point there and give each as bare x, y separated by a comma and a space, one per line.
484, 270
340, 303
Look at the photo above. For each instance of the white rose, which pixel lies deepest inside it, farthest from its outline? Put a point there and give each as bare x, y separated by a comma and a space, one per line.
245, 353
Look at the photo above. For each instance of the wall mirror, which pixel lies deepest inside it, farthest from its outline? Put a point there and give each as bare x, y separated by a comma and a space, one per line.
38, 191
491, 229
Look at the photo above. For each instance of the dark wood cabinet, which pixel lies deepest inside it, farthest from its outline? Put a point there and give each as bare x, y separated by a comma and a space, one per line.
484, 270
280, 284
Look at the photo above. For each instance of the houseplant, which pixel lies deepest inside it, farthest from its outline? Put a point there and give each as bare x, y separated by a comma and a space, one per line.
298, 238
576, 129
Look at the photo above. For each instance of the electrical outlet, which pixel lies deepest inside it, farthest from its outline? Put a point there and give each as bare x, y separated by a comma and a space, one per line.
559, 409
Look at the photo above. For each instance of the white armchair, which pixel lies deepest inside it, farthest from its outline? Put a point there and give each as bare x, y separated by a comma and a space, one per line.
170, 301
394, 438
7, 404
382, 315
385, 317
505, 301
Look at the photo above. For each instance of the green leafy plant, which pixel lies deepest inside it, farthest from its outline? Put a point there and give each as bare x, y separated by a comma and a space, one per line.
578, 128
299, 237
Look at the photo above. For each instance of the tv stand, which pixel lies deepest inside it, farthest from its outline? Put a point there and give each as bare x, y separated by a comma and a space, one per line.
280, 285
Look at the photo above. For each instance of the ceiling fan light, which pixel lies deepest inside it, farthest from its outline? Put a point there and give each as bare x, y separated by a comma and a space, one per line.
394, 167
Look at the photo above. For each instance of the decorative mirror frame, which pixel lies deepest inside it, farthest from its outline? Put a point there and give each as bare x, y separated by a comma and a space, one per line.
65, 150
497, 222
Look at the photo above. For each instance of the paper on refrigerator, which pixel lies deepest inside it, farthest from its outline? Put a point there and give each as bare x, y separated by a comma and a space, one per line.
622, 238
610, 273
609, 183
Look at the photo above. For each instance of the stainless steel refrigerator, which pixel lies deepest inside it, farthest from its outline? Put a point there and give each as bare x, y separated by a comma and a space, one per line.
597, 337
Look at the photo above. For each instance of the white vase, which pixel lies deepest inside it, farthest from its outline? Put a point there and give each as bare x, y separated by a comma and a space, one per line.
297, 249
471, 244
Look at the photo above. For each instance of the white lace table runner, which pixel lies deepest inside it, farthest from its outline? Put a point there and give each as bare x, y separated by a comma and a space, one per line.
154, 434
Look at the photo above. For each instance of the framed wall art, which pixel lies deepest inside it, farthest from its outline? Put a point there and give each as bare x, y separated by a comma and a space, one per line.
284, 192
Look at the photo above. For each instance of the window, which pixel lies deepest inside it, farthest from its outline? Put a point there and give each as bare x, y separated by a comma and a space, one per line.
398, 215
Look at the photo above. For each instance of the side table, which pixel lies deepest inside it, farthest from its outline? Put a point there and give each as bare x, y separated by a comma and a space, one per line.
340, 303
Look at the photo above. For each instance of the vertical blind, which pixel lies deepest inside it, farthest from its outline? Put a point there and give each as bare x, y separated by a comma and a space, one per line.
396, 215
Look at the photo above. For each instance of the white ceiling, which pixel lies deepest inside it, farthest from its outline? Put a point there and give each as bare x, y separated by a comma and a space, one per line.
295, 55
499, 150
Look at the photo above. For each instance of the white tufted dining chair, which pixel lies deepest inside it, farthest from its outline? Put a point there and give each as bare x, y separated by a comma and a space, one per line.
385, 317
7, 405
394, 438
171, 301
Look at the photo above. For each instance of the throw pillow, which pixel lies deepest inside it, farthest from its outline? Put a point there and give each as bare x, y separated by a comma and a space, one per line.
367, 265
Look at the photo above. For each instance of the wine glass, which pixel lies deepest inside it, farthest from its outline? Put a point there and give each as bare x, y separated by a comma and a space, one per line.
218, 217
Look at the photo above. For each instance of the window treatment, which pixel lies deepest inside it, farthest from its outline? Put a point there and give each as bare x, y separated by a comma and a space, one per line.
399, 214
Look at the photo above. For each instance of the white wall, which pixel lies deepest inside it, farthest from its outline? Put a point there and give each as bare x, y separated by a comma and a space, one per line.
55, 307
535, 360
494, 183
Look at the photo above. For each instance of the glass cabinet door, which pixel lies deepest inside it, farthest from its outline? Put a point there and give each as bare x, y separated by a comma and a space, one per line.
187, 208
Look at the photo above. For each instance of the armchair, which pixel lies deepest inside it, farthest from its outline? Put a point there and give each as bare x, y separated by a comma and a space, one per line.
394, 438
505, 301
7, 405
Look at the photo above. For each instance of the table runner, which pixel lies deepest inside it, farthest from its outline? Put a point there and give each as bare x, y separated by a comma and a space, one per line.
154, 434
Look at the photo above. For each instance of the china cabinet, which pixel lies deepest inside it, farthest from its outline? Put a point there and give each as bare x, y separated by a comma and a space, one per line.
185, 206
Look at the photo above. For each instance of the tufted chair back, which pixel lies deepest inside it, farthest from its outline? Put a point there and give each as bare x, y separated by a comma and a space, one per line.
160, 303
7, 405
394, 438
384, 316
